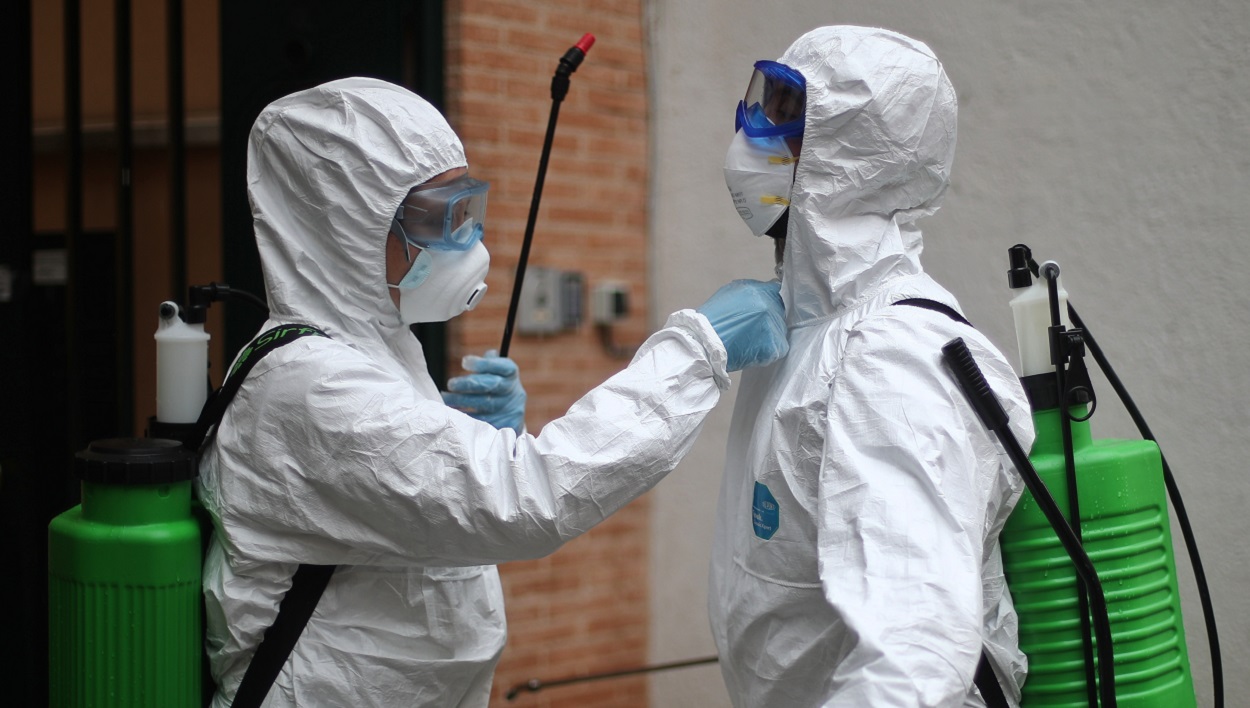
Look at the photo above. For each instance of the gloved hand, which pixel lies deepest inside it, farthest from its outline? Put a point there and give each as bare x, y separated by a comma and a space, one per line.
750, 319
492, 393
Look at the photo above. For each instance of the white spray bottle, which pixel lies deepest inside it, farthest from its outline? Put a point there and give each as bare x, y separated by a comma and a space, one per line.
1031, 310
181, 367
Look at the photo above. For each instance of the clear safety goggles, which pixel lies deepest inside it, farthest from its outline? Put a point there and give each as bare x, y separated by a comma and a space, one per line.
775, 103
443, 217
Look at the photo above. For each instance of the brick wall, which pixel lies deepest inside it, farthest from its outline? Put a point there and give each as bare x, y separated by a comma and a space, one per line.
585, 608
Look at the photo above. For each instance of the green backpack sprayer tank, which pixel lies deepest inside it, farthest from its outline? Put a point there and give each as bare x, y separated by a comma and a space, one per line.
127, 557
1125, 529
124, 567
1117, 489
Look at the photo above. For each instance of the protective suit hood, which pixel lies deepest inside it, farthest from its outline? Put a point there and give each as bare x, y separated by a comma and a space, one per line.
877, 150
327, 168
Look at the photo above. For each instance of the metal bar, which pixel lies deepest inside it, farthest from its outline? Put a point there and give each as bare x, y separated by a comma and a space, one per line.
23, 485
534, 685
423, 73
73, 208
125, 219
177, 148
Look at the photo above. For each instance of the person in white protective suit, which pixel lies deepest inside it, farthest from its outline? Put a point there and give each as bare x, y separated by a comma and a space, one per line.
856, 560
340, 451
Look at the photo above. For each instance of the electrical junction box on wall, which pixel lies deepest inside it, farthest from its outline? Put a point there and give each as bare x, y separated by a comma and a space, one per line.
551, 301
609, 303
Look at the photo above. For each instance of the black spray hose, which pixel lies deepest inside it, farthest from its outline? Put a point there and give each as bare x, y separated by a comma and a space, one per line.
535, 685
559, 88
1178, 504
1059, 357
992, 415
199, 297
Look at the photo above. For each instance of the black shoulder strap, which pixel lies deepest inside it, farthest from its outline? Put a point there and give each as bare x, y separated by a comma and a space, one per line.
309, 581
215, 407
987, 683
986, 680
935, 306
297, 606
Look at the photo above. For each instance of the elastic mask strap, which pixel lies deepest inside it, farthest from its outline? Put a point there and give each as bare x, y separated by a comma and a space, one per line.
417, 274
398, 227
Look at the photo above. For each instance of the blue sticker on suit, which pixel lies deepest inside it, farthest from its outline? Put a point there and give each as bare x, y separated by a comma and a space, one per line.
765, 516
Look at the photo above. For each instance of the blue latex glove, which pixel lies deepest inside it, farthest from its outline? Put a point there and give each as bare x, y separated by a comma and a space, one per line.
750, 319
492, 393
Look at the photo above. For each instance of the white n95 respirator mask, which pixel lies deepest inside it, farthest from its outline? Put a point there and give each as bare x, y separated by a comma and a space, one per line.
443, 284
759, 173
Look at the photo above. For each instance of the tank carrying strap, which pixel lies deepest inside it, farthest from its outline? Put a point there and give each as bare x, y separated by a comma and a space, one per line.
215, 407
987, 683
935, 306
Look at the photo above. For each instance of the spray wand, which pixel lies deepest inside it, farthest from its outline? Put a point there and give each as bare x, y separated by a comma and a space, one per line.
559, 88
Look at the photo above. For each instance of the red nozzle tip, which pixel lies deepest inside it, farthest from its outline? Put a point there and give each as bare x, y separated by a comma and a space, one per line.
586, 42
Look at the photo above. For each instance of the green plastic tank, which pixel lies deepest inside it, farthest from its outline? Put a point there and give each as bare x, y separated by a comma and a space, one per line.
1126, 532
124, 581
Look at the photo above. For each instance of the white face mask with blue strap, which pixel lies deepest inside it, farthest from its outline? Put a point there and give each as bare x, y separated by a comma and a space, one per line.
442, 284
759, 173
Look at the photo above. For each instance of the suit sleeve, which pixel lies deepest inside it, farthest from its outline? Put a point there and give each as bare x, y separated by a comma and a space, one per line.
333, 460
901, 520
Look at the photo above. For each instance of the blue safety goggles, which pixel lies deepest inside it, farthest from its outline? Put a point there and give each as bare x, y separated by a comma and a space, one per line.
775, 103
443, 217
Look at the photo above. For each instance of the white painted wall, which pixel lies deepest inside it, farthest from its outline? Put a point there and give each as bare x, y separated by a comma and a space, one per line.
1112, 137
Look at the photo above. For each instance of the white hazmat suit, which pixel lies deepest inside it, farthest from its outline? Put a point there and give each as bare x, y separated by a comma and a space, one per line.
855, 561
340, 451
